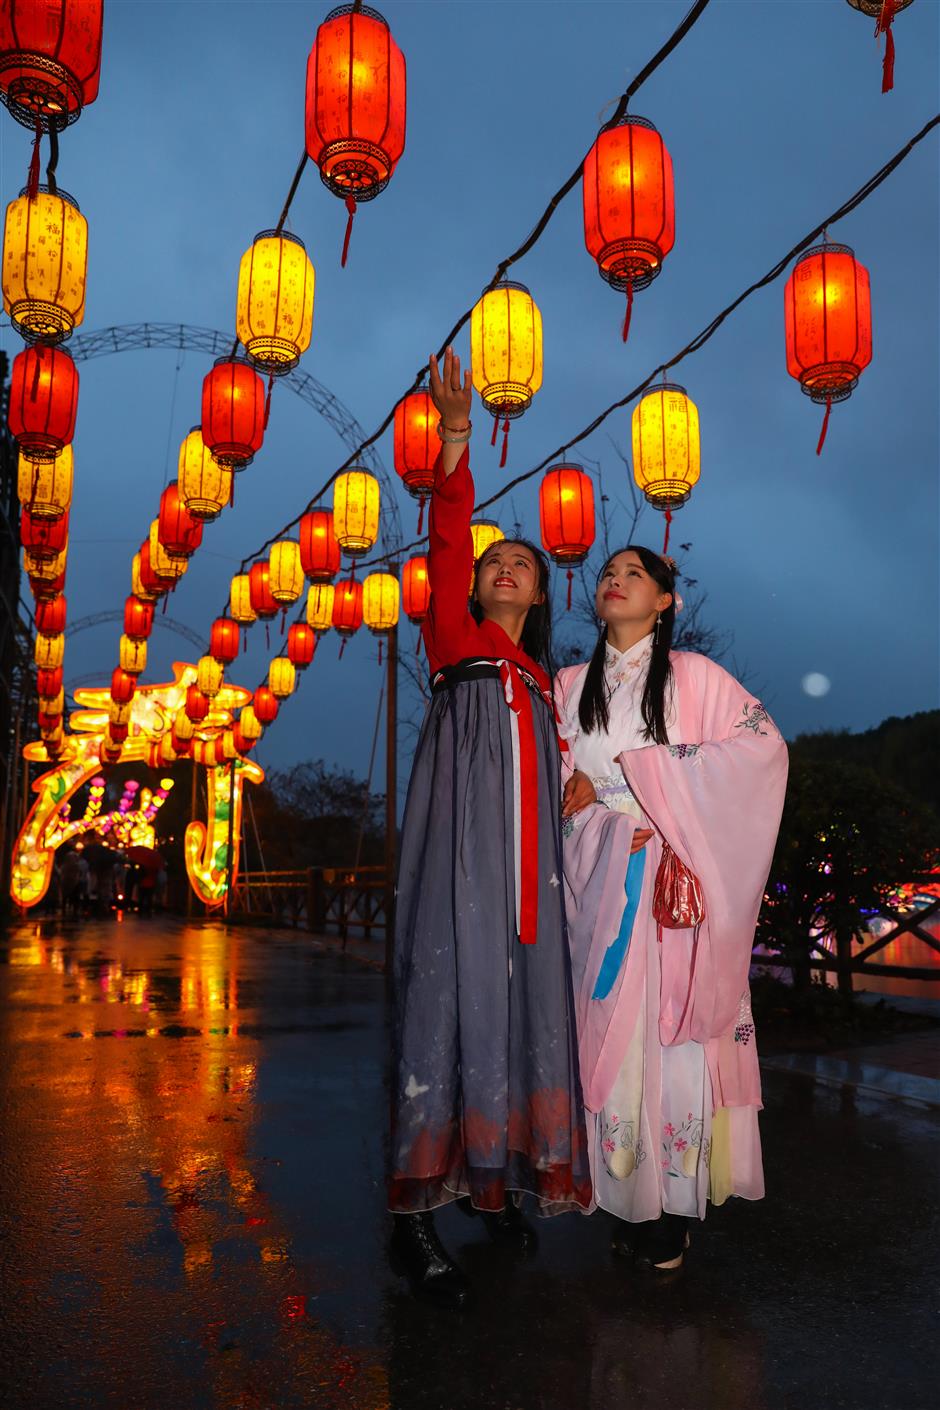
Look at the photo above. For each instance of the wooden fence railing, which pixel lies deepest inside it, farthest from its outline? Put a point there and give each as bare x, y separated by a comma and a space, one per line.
339, 900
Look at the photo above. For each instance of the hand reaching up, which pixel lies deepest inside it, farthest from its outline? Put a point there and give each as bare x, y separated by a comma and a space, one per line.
451, 396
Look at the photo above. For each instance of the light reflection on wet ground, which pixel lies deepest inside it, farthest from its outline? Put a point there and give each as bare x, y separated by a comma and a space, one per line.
193, 1125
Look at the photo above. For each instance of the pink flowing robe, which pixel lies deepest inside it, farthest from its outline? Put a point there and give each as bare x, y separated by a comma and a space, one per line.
715, 794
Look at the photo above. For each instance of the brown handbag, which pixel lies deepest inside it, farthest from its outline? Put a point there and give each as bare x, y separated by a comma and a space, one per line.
678, 899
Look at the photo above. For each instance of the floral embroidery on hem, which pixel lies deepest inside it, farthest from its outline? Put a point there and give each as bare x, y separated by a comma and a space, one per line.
754, 717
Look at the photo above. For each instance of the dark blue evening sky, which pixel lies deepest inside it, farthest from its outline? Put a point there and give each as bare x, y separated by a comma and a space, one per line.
773, 115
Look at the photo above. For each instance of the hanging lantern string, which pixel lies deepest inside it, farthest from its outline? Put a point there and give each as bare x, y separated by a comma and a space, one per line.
825, 427
32, 178
668, 526
351, 212
629, 313
267, 402
53, 159
495, 430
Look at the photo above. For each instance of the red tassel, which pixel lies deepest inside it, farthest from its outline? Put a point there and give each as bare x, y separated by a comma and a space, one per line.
380, 651
666, 538
342, 648
421, 503
351, 209
629, 313
495, 430
825, 426
502, 458
32, 180
570, 581
244, 640
267, 401
883, 26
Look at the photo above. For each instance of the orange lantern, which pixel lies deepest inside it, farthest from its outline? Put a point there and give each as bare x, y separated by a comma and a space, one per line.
265, 705
118, 733
48, 683
223, 640
319, 549
183, 727
240, 741
197, 704
566, 517
50, 59
301, 645
355, 110
182, 745
179, 532
416, 589
42, 569
44, 538
43, 401
827, 306
347, 609
46, 589
416, 445
150, 580
123, 686
629, 206
233, 412
259, 583
138, 618
51, 616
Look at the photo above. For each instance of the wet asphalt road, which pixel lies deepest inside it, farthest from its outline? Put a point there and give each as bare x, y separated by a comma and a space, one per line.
192, 1126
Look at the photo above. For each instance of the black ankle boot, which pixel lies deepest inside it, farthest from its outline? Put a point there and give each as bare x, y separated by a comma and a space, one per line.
654, 1242
505, 1226
416, 1253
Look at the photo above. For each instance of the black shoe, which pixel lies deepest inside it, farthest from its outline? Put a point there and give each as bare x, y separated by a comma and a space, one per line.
416, 1253
658, 1242
505, 1226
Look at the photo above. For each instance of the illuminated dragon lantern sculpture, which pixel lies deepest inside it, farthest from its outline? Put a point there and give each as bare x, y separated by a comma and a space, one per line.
150, 740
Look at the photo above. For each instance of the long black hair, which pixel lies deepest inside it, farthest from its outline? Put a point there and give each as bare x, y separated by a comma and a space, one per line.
536, 639
593, 708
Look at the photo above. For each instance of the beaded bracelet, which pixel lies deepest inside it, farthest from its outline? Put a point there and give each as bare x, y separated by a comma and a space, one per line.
454, 440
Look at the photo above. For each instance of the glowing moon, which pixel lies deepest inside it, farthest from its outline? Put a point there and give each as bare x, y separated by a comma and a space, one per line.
816, 684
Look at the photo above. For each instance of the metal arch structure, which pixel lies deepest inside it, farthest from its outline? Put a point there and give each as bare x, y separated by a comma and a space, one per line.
131, 337
95, 619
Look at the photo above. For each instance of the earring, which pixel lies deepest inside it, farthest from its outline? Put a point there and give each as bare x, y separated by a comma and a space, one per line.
656, 628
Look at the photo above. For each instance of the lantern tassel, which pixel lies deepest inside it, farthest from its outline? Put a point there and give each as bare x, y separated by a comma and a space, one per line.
351, 211
342, 648
495, 430
570, 581
883, 26
421, 503
32, 179
825, 427
629, 313
283, 618
502, 458
267, 635
267, 403
244, 640
380, 651
666, 537
165, 600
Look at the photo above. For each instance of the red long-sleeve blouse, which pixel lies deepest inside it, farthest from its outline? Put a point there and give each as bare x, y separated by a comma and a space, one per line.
450, 633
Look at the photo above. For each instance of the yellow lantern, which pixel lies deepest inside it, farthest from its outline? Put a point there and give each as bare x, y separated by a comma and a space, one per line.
168, 754
52, 704
205, 486
286, 575
274, 316
209, 673
225, 743
164, 564
183, 726
133, 655
137, 585
356, 511
484, 533
506, 351
45, 489
53, 739
666, 448
380, 597
45, 254
282, 677
249, 724
118, 713
239, 601
320, 606
44, 570
49, 651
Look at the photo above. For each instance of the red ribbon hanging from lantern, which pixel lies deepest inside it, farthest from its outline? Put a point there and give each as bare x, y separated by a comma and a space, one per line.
883, 26
495, 430
570, 581
32, 180
629, 313
267, 412
502, 458
351, 211
825, 427
666, 537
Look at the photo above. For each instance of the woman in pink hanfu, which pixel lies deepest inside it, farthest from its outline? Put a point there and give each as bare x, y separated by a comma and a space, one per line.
665, 747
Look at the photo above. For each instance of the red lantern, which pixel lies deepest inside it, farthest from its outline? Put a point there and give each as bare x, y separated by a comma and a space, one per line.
415, 589
223, 640
629, 206
48, 721
48, 683
123, 686
43, 401
265, 705
138, 618
827, 305
416, 443
347, 607
182, 747
151, 581
51, 616
50, 59
45, 589
242, 744
197, 704
118, 732
45, 538
355, 110
566, 516
301, 645
319, 551
179, 533
259, 590
233, 412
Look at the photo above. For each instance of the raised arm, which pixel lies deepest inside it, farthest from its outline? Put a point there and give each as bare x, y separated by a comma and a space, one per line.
452, 399
450, 548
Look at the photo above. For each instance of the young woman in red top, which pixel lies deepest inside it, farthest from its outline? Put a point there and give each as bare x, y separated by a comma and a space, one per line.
486, 1098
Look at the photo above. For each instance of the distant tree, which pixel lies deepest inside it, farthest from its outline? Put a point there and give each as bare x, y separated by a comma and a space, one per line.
905, 750
848, 839
313, 815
